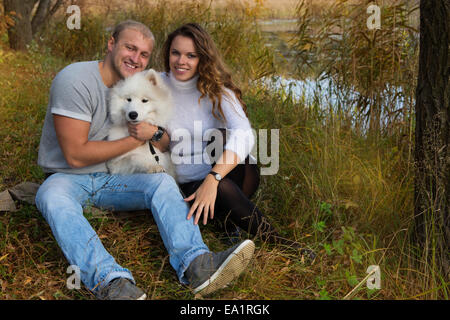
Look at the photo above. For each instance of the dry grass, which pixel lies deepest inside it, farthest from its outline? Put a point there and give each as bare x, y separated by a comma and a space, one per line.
268, 9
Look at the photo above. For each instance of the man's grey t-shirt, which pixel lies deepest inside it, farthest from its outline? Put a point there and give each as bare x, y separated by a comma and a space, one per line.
77, 92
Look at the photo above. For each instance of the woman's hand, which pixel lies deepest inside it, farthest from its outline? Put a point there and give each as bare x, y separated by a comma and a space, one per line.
205, 198
206, 194
142, 131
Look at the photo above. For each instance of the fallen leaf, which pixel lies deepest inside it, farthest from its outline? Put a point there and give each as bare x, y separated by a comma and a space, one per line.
350, 204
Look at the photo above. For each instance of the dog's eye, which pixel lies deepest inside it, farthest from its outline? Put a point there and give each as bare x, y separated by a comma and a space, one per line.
144, 100
129, 99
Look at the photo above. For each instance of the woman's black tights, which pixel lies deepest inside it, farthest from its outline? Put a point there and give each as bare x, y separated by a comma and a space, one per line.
233, 207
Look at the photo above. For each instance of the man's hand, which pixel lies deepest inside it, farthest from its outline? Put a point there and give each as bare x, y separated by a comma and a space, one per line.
144, 131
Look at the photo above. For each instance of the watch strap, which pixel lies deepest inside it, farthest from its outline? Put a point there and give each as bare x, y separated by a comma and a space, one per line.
215, 175
158, 134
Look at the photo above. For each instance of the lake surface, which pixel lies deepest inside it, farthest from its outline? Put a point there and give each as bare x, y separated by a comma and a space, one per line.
277, 34
323, 93
278, 25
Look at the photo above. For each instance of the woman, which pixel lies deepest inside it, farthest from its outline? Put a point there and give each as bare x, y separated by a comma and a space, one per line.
206, 98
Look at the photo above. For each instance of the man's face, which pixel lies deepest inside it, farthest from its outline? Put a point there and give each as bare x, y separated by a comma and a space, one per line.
130, 53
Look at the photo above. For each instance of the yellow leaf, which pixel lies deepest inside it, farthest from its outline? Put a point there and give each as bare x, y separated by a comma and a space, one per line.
350, 204
284, 270
307, 46
356, 179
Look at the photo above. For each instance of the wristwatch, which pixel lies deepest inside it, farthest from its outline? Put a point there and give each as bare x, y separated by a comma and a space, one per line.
158, 134
217, 176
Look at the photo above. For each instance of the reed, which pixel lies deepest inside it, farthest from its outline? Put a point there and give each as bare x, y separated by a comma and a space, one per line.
372, 72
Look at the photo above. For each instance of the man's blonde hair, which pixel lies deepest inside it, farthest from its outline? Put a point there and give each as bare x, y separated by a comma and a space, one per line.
131, 24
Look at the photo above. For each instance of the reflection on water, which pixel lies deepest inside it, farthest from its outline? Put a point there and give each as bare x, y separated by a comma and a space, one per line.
324, 95
310, 91
278, 25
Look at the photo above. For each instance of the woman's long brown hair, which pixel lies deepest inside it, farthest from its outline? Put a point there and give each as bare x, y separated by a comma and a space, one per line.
213, 74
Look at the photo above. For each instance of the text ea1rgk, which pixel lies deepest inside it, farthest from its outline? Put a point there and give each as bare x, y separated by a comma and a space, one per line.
227, 309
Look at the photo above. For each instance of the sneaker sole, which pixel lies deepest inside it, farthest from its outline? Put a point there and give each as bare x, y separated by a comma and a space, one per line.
230, 269
143, 297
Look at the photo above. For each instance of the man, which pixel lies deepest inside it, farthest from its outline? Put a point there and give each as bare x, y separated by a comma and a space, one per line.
72, 153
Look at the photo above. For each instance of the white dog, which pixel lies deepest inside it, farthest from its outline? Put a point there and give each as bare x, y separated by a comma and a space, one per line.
141, 97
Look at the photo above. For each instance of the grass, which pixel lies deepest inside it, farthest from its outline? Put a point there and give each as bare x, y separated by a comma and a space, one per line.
347, 195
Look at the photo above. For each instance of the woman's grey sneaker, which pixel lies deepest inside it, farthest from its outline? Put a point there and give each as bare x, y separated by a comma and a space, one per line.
212, 271
121, 289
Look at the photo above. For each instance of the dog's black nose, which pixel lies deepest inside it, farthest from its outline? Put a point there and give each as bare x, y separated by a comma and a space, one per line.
133, 115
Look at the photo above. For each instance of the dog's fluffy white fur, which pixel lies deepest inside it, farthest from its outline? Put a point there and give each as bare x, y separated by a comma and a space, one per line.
140, 97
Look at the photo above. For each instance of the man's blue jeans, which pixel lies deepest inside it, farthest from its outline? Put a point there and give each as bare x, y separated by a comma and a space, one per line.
62, 197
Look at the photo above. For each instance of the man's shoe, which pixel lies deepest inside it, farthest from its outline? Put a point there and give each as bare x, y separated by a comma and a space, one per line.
121, 289
212, 271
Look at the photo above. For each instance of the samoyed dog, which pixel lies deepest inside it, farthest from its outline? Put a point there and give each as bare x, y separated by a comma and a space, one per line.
140, 97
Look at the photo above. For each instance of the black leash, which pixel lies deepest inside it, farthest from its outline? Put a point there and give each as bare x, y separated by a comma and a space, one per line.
152, 150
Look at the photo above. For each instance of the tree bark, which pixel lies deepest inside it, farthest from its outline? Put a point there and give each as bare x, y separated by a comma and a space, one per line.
40, 15
43, 13
21, 33
26, 25
432, 154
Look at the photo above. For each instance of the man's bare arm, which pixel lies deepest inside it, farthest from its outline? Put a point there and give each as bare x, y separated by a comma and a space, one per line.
79, 152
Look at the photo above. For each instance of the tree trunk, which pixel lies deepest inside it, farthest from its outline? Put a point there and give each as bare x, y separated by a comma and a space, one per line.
40, 15
21, 33
432, 154
43, 13
26, 26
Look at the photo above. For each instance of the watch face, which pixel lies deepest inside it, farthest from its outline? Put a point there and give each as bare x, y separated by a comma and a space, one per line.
216, 175
158, 135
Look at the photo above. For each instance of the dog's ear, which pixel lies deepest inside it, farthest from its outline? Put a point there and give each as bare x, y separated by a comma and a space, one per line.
152, 76
155, 79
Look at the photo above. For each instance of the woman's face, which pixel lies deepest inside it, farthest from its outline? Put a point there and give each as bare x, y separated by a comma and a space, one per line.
183, 59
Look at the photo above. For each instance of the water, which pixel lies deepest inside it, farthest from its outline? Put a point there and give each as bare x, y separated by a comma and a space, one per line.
311, 91
278, 25
325, 93
307, 90
322, 92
